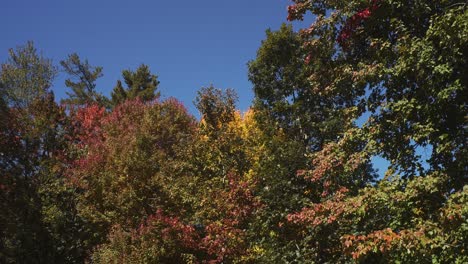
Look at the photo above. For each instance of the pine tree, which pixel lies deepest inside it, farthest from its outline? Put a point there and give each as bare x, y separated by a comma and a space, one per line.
84, 84
140, 83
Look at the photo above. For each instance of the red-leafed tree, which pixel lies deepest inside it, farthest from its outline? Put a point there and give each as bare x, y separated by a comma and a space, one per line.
123, 160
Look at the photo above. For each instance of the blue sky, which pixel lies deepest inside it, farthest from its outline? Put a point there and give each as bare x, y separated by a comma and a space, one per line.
188, 44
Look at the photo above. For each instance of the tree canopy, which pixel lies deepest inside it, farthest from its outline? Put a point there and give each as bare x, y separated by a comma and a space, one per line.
133, 178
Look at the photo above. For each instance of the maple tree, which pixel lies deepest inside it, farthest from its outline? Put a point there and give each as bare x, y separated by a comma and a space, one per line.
381, 62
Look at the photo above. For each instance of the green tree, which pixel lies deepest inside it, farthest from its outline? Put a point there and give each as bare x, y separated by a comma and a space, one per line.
402, 63
83, 82
26, 76
284, 94
381, 68
296, 124
141, 84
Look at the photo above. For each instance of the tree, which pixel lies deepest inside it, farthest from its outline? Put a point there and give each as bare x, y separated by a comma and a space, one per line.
284, 94
37, 208
26, 76
220, 146
401, 63
296, 123
141, 84
220, 158
158, 239
216, 107
84, 88
125, 161
381, 57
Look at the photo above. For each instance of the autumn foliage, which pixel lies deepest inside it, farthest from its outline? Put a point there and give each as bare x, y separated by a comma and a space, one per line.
138, 179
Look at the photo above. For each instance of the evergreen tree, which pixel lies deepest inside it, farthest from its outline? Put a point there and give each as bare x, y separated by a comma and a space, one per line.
83, 82
140, 83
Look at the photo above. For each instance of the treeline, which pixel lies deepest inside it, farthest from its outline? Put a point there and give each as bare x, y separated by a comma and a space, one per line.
132, 178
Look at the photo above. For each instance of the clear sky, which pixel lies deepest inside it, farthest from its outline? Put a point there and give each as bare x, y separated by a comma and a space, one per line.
188, 44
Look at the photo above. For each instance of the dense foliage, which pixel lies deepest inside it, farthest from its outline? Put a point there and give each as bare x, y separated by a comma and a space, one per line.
132, 178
